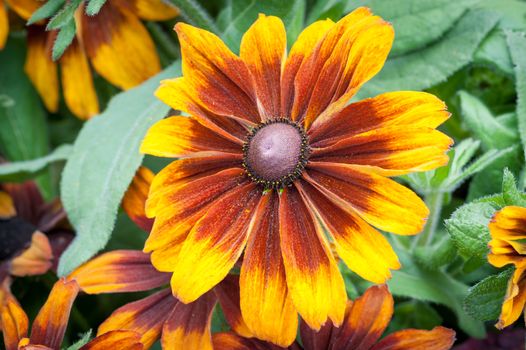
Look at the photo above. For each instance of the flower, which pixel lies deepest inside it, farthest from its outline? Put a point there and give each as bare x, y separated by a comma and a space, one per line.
508, 231
47, 331
115, 41
159, 315
33, 233
365, 321
274, 163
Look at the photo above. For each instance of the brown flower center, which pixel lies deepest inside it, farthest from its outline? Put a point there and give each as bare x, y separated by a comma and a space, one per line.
15, 235
275, 153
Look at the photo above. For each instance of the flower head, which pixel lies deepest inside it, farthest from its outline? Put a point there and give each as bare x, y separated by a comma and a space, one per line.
272, 159
47, 331
114, 41
507, 245
366, 319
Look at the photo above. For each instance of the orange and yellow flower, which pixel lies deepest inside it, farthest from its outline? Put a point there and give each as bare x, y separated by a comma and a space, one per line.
115, 42
274, 163
508, 246
48, 328
365, 321
33, 233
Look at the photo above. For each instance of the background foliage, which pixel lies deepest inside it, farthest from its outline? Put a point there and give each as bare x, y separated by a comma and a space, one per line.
471, 53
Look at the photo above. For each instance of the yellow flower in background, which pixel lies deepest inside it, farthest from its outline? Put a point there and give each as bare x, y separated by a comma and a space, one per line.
273, 159
508, 246
114, 41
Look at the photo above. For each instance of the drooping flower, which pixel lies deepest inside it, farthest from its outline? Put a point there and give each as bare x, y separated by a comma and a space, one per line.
507, 246
115, 42
47, 331
33, 233
273, 159
159, 315
365, 321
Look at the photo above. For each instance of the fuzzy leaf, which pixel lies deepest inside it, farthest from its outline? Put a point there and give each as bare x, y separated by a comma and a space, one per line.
468, 227
104, 160
94, 7
23, 170
47, 10
510, 192
484, 300
437, 255
517, 45
81, 342
64, 16
65, 36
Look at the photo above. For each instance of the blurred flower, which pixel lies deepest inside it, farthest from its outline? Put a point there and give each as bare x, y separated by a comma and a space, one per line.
47, 331
508, 246
160, 315
33, 233
115, 41
365, 321
273, 159
508, 339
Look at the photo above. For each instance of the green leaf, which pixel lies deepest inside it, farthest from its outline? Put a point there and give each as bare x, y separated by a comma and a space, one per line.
510, 192
64, 16
437, 287
81, 342
195, 14
437, 255
491, 132
23, 131
64, 38
517, 45
323, 9
413, 314
468, 227
434, 64
47, 10
104, 160
418, 23
484, 300
94, 7
23, 170
239, 15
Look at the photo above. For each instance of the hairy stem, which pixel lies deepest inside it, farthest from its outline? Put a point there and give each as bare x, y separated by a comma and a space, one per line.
434, 201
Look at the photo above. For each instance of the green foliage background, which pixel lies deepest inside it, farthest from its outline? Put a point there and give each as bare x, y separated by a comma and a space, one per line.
471, 53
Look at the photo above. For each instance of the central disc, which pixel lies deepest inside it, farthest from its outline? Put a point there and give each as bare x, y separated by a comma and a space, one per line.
15, 235
275, 153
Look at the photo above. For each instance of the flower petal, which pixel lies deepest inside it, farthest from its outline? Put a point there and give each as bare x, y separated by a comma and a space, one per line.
380, 201
263, 49
27, 199
7, 207
316, 340
401, 108
35, 260
227, 293
390, 151
24, 8
188, 326
127, 340
39, 66
363, 249
439, 338
214, 244
119, 271
178, 198
515, 298
134, 201
219, 78
508, 230
351, 53
300, 51
119, 46
180, 95
313, 279
265, 301
232, 341
50, 325
145, 317
77, 82
13, 320
365, 320
181, 137
4, 25
154, 10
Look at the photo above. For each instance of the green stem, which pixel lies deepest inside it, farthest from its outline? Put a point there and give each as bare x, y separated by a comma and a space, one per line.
195, 14
434, 201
